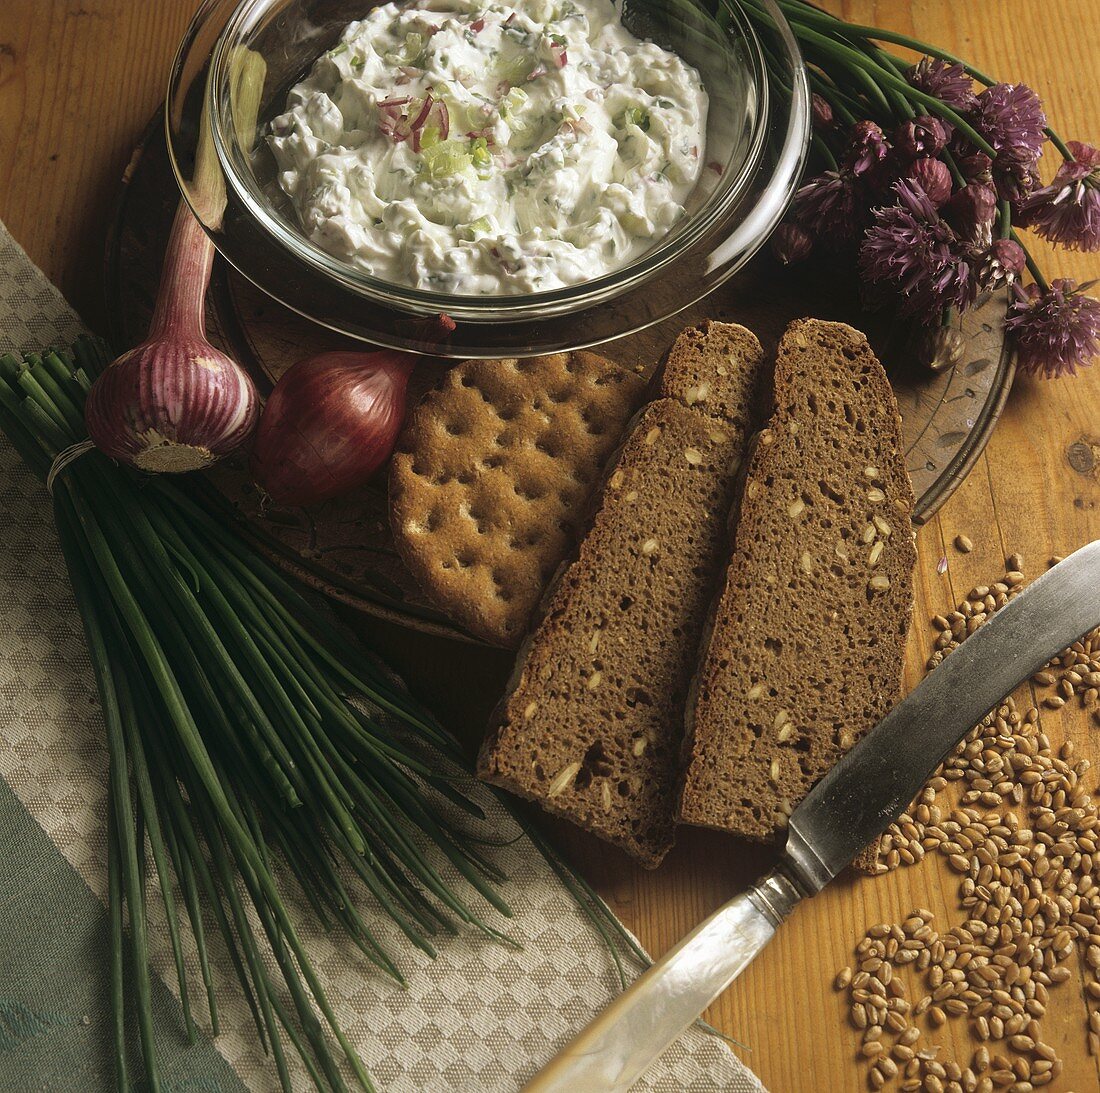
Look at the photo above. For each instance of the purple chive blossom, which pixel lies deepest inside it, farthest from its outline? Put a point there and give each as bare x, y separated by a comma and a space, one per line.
1014, 176
1001, 264
947, 82
913, 250
791, 243
1055, 332
1010, 116
867, 148
1068, 210
976, 167
921, 136
822, 113
826, 206
934, 178
970, 211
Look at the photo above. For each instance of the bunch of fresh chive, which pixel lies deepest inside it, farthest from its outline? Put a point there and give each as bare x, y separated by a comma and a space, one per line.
235, 745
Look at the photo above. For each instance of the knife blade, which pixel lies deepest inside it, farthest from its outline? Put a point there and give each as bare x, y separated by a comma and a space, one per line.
848, 808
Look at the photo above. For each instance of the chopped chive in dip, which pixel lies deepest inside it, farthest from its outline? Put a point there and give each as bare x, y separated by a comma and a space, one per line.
635, 115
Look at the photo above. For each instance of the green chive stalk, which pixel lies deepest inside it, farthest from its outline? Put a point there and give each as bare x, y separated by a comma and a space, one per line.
247, 744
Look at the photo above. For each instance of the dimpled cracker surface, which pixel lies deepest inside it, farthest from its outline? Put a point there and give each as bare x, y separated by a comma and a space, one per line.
492, 480
592, 723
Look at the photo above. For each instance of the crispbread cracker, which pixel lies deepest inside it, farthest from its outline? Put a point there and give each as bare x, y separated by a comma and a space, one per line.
492, 479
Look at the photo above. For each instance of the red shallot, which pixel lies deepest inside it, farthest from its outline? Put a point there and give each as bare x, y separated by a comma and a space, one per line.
329, 424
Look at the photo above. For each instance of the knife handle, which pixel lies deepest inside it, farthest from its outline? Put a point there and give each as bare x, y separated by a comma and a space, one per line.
661, 1004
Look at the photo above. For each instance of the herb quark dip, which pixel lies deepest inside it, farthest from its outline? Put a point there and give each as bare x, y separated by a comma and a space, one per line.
491, 149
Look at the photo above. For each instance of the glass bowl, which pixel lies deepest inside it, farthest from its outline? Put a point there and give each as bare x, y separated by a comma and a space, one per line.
757, 137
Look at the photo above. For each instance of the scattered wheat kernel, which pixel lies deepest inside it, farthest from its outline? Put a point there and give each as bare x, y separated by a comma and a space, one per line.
696, 394
765, 438
963, 544
868, 535
800, 339
753, 490
529, 712
884, 528
631, 496
785, 733
605, 796
594, 641
755, 691
653, 434
773, 771
845, 739
875, 494
617, 480
781, 718
594, 680
879, 582
722, 370
563, 780
876, 553
795, 507
716, 436
870, 472
650, 547
840, 551
807, 562
693, 456
794, 427
640, 745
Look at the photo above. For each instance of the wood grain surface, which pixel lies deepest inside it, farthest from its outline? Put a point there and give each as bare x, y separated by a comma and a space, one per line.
79, 79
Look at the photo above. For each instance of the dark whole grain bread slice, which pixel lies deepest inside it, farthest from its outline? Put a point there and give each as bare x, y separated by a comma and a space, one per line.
591, 725
806, 640
704, 369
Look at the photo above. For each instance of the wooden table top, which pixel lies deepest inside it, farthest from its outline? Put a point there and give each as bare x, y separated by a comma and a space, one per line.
79, 79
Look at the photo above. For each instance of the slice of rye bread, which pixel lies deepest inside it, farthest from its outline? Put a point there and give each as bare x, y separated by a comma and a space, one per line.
806, 641
591, 724
493, 477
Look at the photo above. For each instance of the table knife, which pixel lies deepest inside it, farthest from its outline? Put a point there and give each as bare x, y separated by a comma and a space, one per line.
848, 808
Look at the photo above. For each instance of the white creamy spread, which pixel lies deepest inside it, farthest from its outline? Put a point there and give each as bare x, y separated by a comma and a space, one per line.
477, 148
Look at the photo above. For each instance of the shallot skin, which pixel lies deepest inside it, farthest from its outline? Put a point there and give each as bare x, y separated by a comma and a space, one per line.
329, 424
175, 403
171, 406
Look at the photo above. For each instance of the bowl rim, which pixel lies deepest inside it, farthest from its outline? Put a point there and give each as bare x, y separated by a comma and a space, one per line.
506, 325
610, 285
